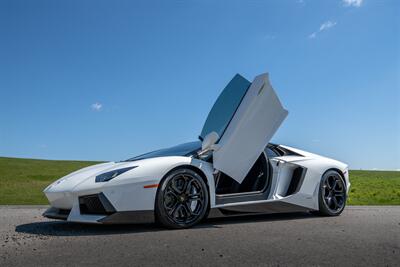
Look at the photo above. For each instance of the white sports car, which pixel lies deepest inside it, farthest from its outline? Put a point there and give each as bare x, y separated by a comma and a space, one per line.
232, 170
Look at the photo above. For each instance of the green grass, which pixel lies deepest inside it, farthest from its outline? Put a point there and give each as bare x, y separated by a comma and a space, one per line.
374, 188
23, 180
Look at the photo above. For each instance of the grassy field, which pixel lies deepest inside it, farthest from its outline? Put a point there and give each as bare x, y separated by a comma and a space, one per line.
22, 182
374, 188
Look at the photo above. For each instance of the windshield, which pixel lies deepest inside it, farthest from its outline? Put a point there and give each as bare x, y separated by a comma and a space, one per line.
186, 149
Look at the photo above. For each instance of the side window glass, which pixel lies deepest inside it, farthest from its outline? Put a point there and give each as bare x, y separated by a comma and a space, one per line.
225, 106
271, 153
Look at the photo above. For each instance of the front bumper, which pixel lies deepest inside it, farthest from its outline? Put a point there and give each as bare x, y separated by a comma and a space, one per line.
96, 208
91, 202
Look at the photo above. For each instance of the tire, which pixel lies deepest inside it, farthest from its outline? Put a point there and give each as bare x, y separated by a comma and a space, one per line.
332, 194
182, 199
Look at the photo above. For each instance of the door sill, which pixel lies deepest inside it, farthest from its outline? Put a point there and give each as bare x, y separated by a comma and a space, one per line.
238, 194
241, 197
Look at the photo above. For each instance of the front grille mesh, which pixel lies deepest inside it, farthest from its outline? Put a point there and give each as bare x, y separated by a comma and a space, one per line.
91, 204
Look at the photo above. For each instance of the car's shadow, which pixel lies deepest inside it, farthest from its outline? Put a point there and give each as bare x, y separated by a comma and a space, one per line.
61, 228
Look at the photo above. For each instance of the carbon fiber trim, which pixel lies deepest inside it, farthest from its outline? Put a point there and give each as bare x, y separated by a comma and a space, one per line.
130, 217
54, 213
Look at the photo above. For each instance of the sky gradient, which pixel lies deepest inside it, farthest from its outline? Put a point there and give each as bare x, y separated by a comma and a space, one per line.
107, 80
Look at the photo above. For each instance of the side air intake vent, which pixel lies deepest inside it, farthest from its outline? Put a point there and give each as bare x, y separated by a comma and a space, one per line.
96, 204
296, 181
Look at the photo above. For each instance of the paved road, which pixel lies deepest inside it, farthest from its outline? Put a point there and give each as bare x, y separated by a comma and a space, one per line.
363, 236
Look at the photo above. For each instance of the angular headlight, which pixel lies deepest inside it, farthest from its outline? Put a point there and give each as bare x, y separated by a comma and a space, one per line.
107, 176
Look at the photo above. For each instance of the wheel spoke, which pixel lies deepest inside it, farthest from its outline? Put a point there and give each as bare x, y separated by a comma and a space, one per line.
181, 209
185, 184
195, 196
176, 190
339, 190
173, 209
170, 191
328, 201
334, 184
188, 209
186, 181
327, 184
199, 207
170, 202
335, 203
188, 186
326, 188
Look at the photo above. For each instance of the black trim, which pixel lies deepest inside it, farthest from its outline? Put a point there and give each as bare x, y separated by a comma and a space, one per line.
257, 208
96, 204
130, 217
296, 181
54, 213
282, 151
107, 176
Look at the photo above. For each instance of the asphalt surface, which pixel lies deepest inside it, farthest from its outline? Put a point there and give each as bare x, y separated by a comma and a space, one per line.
361, 236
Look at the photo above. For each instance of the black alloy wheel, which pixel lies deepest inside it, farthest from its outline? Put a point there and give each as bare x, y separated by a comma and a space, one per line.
182, 199
332, 195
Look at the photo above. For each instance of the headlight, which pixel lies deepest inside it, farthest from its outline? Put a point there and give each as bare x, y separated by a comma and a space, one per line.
107, 176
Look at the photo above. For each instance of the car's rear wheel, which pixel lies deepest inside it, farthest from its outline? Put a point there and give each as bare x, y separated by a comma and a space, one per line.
332, 194
182, 199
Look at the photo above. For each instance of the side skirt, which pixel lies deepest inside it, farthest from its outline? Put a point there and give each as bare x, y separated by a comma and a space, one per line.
256, 208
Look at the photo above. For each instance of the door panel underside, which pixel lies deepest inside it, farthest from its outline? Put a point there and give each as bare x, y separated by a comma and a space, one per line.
256, 119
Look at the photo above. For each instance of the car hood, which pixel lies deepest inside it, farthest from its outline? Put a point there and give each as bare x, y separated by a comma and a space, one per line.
151, 169
75, 178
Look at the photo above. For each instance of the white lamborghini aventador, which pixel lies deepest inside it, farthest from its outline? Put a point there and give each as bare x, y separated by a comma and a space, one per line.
232, 170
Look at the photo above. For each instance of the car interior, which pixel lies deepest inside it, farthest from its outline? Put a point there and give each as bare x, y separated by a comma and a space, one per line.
257, 180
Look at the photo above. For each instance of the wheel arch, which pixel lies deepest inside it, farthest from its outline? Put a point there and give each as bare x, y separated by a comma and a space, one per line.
193, 168
338, 171
199, 172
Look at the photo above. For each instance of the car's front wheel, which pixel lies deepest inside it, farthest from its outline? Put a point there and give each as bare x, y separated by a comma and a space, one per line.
182, 199
332, 194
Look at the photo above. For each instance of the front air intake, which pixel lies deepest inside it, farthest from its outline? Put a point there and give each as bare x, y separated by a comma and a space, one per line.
96, 204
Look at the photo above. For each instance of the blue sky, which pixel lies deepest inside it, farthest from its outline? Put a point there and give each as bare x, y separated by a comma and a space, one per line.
106, 80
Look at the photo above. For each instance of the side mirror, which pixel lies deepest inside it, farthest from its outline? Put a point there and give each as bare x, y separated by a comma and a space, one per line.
208, 143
